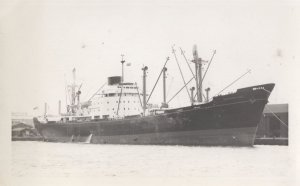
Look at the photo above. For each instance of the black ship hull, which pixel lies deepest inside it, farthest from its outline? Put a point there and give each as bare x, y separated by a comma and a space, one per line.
228, 120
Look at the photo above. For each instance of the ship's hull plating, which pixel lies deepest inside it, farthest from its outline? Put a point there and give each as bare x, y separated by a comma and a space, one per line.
213, 137
229, 120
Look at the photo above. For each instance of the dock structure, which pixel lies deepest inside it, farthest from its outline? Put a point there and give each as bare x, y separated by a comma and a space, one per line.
273, 128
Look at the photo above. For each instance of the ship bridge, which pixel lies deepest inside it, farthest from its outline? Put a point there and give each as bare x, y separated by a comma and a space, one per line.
117, 100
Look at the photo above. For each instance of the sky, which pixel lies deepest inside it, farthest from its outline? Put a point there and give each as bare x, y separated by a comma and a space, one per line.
42, 41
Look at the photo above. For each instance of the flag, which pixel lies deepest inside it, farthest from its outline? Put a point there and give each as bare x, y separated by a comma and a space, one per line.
35, 108
128, 64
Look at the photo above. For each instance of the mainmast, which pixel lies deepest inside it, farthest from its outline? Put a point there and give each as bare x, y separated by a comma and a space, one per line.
196, 58
74, 95
144, 89
78, 96
164, 104
73, 87
198, 71
122, 61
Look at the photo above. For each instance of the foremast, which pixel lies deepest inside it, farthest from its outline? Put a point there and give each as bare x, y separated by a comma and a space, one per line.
74, 106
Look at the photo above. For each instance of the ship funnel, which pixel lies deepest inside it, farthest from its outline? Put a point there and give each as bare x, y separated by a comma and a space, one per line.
114, 80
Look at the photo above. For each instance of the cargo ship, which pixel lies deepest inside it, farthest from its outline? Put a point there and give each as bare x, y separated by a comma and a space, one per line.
118, 113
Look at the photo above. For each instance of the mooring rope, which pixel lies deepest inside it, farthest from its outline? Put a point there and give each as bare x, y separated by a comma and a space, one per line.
284, 124
281, 122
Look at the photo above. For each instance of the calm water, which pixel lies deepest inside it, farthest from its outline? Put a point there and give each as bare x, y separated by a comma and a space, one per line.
45, 161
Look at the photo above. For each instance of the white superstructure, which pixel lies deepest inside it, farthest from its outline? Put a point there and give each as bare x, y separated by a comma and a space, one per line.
116, 100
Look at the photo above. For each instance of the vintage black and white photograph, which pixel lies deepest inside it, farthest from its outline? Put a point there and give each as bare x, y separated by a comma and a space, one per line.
184, 92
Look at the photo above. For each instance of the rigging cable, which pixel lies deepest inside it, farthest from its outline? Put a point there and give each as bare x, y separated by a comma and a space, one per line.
181, 89
97, 91
206, 72
120, 99
208, 66
88, 92
234, 82
170, 85
267, 107
157, 79
284, 124
182, 52
139, 94
173, 51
